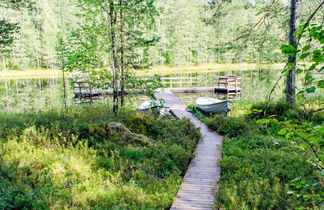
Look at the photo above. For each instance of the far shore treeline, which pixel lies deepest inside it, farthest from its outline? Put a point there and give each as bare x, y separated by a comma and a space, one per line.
187, 32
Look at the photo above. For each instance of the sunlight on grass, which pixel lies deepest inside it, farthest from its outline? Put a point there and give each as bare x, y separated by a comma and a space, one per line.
32, 73
209, 67
160, 70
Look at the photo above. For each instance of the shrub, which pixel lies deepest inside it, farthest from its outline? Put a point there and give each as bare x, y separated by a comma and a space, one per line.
76, 159
283, 111
228, 125
259, 166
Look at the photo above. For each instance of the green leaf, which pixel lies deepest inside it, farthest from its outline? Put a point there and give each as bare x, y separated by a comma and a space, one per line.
312, 67
305, 55
263, 121
303, 135
306, 196
308, 77
288, 50
288, 135
311, 89
257, 110
306, 48
299, 71
320, 84
317, 56
282, 131
303, 144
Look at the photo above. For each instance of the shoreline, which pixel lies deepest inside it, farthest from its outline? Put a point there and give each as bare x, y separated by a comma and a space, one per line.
160, 70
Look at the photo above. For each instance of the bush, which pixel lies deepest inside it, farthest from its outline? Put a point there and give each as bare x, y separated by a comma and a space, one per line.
259, 166
283, 111
228, 125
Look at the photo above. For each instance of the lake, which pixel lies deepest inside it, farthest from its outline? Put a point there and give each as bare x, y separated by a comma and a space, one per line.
31, 94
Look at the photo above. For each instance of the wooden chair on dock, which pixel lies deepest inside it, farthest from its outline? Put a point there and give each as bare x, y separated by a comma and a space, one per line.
228, 87
84, 87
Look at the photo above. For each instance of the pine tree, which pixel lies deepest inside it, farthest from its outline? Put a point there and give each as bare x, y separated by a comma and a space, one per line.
109, 42
292, 59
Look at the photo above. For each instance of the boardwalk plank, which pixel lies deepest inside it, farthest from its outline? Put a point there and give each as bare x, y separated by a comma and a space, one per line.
199, 183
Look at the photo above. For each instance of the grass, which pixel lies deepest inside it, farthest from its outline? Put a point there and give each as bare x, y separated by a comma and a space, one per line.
78, 159
160, 70
31, 73
208, 67
262, 169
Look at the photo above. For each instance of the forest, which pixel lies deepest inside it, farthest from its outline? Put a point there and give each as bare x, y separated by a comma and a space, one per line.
161, 104
188, 32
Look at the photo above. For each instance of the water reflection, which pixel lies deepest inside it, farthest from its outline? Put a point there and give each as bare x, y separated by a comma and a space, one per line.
27, 94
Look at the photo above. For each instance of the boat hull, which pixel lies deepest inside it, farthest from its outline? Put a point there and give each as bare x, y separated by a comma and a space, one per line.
155, 107
207, 104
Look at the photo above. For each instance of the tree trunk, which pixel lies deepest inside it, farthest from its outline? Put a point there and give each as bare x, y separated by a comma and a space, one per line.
63, 75
122, 67
291, 78
112, 14
4, 62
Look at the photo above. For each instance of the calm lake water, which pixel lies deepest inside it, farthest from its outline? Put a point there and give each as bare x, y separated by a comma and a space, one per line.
31, 94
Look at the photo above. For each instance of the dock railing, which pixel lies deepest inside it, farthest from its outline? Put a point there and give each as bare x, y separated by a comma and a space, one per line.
180, 82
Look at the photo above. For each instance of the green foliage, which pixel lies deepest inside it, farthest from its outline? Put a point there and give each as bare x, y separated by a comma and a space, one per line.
13, 3
247, 38
261, 168
227, 126
196, 111
79, 158
91, 42
184, 37
109, 41
311, 52
282, 111
8, 29
309, 138
6, 34
148, 85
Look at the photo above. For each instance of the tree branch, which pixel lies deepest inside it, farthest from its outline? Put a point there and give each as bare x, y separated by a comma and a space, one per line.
298, 40
317, 110
308, 20
259, 22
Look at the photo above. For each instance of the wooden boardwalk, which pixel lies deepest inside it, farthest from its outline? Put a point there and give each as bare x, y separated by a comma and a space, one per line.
200, 181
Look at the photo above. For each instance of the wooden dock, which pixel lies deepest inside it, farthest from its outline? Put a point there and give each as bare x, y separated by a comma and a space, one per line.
228, 87
200, 181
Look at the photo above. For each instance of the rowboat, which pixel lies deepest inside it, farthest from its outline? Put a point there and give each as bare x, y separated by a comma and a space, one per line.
213, 105
155, 106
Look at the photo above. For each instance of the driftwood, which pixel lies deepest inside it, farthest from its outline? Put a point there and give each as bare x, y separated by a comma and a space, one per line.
128, 135
114, 131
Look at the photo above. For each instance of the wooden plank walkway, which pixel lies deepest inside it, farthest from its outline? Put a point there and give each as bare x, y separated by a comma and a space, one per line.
200, 181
